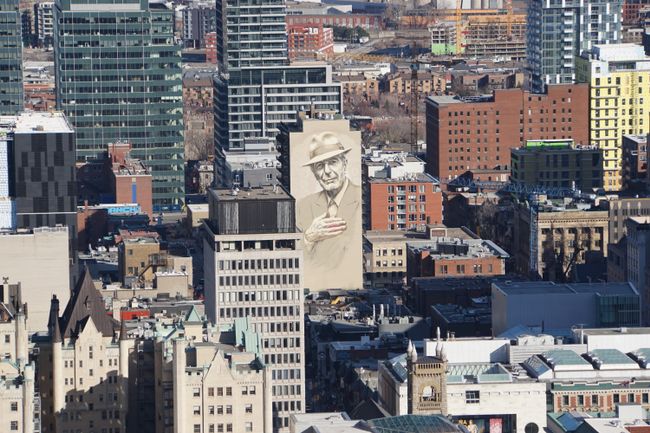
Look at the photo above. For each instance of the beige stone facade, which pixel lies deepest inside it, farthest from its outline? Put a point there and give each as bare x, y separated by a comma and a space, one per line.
566, 235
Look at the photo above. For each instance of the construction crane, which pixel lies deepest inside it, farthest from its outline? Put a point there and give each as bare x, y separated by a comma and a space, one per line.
459, 26
414, 112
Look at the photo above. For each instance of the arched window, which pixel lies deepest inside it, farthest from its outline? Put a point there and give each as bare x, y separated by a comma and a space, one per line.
428, 393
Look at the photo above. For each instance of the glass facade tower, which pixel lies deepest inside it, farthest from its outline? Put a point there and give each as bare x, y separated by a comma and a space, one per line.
256, 88
11, 58
560, 30
118, 77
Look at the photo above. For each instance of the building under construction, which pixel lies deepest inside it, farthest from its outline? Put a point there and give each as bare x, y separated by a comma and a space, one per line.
481, 36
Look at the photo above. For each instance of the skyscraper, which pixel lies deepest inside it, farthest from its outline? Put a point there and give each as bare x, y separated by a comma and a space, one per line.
559, 31
253, 267
256, 88
118, 78
11, 58
37, 173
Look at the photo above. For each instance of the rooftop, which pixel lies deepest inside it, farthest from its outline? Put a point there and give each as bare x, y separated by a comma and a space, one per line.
264, 192
410, 177
455, 248
548, 287
29, 122
563, 357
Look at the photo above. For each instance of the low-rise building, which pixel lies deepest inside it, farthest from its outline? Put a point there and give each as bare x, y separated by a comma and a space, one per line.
557, 164
563, 306
309, 41
637, 259
447, 257
397, 194
552, 237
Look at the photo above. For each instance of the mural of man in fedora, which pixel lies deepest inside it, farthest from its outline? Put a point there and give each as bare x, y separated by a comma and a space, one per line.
330, 218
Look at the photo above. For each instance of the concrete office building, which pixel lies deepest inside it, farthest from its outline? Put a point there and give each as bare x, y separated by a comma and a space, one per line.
43, 249
118, 78
19, 401
44, 23
256, 88
253, 269
557, 163
558, 32
466, 134
11, 52
562, 306
83, 363
619, 103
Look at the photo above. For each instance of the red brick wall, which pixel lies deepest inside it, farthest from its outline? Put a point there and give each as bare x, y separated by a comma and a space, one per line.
466, 136
123, 192
343, 20
378, 205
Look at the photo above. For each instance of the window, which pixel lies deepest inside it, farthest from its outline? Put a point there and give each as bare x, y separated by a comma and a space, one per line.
14, 425
594, 400
531, 427
220, 392
472, 397
249, 408
197, 428
630, 398
210, 392
617, 398
7, 338
229, 410
229, 391
14, 406
565, 400
228, 428
249, 426
196, 410
581, 400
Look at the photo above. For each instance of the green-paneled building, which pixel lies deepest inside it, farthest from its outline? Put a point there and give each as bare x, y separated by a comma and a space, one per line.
11, 58
118, 77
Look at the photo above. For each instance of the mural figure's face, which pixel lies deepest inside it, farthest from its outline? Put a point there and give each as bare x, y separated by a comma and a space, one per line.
331, 173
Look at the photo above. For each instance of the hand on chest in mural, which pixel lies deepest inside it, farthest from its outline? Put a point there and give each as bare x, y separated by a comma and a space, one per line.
325, 227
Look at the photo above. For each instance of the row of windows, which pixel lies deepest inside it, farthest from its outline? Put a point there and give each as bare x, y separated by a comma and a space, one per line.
220, 409
258, 312
280, 390
616, 398
460, 269
259, 280
411, 188
239, 265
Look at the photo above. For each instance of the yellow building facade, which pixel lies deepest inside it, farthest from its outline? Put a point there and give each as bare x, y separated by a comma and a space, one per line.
619, 103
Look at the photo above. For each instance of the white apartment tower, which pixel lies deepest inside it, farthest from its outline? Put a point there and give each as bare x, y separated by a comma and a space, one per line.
253, 269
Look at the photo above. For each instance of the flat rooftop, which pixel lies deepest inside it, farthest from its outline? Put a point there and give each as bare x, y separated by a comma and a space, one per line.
549, 287
411, 177
455, 248
29, 122
264, 192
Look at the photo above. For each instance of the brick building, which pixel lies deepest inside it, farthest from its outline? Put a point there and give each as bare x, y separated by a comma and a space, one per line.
310, 41
465, 134
130, 179
365, 21
397, 194
211, 47
454, 257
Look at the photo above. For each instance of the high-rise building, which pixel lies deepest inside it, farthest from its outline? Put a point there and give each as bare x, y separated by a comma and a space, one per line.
638, 259
253, 271
197, 21
11, 63
256, 88
558, 32
118, 78
619, 78
44, 23
469, 134
37, 173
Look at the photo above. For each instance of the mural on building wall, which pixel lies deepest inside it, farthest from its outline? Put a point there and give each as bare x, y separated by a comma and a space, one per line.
326, 179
